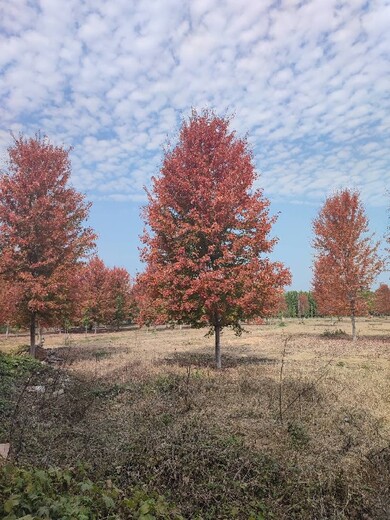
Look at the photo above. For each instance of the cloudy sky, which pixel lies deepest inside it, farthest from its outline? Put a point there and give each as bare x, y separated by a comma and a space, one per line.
308, 81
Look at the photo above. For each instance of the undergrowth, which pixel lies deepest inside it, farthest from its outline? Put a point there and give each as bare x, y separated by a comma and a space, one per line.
68, 494
236, 444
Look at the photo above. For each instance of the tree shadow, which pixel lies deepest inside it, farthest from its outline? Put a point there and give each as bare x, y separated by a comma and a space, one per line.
71, 354
207, 360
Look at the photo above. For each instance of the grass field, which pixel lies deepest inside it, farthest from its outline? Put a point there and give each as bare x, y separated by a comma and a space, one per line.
295, 425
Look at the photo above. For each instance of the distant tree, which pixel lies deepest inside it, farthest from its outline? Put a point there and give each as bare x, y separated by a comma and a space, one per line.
42, 233
292, 303
281, 308
209, 231
346, 261
303, 305
121, 301
382, 300
300, 304
106, 296
312, 305
96, 304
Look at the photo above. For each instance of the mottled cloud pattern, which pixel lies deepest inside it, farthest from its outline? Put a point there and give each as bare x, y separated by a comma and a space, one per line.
308, 81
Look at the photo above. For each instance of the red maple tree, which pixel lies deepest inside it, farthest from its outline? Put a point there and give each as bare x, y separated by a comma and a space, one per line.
209, 231
346, 261
95, 305
106, 296
42, 236
382, 300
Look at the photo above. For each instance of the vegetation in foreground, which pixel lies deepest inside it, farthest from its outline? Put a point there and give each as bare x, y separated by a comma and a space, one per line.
276, 434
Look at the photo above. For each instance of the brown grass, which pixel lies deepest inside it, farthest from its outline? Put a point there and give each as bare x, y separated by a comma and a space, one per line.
151, 405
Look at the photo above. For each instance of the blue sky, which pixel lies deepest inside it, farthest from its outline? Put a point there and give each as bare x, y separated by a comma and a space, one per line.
308, 82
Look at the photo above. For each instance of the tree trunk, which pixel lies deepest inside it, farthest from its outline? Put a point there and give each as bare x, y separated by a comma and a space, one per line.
353, 320
7, 330
32, 335
40, 337
217, 329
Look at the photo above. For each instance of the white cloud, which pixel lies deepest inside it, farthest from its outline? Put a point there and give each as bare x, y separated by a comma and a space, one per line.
308, 82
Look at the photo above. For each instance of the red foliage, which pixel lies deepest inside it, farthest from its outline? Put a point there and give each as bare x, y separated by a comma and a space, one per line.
346, 260
209, 230
10, 298
303, 304
150, 309
281, 307
95, 295
42, 237
382, 300
106, 294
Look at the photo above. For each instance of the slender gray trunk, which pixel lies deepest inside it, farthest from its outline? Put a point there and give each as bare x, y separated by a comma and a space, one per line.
7, 330
353, 320
217, 329
32, 334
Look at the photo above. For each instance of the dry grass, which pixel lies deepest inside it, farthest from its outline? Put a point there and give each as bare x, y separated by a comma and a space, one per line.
309, 441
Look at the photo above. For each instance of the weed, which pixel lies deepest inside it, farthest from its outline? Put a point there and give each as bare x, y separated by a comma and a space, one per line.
69, 494
298, 435
337, 333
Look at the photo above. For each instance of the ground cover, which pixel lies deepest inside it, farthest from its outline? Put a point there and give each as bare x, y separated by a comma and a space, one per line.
296, 424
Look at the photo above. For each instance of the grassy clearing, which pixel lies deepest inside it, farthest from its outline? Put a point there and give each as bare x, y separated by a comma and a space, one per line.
297, 424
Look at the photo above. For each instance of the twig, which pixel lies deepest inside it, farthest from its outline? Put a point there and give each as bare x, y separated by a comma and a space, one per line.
281, 379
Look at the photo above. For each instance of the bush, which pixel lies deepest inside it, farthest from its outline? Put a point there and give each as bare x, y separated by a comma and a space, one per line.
67, 494
338, 333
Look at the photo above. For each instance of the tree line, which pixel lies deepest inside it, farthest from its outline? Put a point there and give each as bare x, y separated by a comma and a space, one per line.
206, 246
302, 304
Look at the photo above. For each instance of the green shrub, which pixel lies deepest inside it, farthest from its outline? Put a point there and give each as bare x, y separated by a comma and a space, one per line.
68, 494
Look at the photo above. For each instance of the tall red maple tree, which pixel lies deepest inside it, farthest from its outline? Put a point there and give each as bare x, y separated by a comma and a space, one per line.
208, 232
346, 261
42, 232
